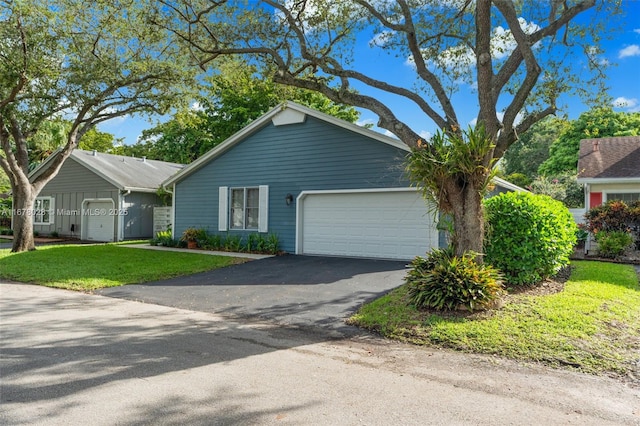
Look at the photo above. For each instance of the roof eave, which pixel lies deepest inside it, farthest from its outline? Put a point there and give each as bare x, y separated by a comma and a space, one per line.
508, 185
609, 180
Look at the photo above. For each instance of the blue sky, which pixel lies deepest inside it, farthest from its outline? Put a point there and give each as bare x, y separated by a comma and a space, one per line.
622, 53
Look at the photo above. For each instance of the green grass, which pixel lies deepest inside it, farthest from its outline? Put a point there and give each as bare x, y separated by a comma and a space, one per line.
89, 267
592, 325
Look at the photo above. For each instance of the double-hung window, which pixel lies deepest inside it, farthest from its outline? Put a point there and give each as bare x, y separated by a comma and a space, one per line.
626, 197
43, 211
243, 208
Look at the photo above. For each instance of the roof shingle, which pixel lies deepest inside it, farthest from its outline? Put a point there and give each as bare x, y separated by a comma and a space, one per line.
613, 157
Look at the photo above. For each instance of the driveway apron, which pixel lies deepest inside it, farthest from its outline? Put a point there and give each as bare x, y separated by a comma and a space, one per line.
306, 291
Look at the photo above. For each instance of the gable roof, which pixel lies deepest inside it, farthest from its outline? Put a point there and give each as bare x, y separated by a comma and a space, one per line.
614, 158
125, 173
291, 112
285, 113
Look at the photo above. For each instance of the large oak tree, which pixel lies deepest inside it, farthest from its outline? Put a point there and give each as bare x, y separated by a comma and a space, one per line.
520, 56
86, 62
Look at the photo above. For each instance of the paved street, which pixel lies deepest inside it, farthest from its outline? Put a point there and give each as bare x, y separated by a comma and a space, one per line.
71, 358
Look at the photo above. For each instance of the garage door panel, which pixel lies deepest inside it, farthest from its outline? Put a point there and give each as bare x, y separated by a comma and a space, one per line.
393, 225
99, 223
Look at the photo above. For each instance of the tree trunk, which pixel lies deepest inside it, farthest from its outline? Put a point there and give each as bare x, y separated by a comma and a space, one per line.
23, 201
468, 219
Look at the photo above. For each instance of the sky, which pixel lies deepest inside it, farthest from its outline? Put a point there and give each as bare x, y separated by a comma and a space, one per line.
621, 53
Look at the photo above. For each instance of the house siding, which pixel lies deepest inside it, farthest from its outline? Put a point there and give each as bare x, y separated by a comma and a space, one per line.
138, 222
313, 155
73, 184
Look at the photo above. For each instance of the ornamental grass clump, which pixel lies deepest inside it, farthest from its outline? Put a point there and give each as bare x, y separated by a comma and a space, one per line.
529, 237
443, 281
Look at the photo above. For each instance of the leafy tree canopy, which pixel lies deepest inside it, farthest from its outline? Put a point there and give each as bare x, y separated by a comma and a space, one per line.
595, 123
532, 148
521, 56
234, 95
86, 61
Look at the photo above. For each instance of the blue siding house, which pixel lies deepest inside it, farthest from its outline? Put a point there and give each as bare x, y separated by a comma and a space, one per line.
323, 185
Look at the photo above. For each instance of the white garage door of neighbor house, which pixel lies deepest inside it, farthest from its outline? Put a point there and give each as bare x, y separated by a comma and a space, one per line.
388, 225
98, 221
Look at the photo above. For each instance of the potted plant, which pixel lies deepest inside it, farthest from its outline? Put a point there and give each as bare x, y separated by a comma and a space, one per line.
191, 236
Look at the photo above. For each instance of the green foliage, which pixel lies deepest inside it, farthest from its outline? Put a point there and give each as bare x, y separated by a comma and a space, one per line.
164, 238
614, 215
251, 243
88, 267
532, 148
94, 139
194, 234
569, 328
529, 237
443, 281
233, 243
519, 179
581, 233
564, 188
234, 96
450, 156
54, 234
612, 244
596, 123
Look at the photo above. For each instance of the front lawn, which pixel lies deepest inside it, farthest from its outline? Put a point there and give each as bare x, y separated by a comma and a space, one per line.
592, 325
89, 267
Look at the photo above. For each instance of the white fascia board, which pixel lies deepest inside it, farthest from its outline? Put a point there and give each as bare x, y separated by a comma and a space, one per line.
508, 185
608, 180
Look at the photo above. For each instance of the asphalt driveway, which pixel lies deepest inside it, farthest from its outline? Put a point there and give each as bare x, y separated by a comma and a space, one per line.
306, 291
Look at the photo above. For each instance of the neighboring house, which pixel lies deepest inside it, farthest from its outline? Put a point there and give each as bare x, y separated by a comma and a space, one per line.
609, 168
101, 197
323, 185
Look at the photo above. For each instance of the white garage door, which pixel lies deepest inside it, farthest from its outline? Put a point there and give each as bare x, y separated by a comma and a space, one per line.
390, 225
98, 220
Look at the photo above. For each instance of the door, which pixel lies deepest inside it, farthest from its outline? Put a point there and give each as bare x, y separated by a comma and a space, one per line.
98, 220
384, 224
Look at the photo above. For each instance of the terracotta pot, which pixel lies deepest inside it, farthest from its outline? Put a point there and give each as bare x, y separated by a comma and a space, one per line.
192, 244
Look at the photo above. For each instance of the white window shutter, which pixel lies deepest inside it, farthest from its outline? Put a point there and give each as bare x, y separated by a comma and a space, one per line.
223, 209
263, 211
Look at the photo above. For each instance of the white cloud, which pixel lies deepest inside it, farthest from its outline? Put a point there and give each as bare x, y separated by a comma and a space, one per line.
426, 135
366, 122
631, 50
196, 106
459, 57
637, 30
381, 39
629, 104
391, 135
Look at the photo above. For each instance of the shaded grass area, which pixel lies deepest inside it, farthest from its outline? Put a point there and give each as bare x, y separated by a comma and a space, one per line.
591, 326
89, 267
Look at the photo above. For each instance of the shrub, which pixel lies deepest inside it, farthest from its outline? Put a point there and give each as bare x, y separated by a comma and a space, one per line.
233, 243
163, 238
272, 244
54, 234
612, 244
443, 281
611, 216
528, 237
